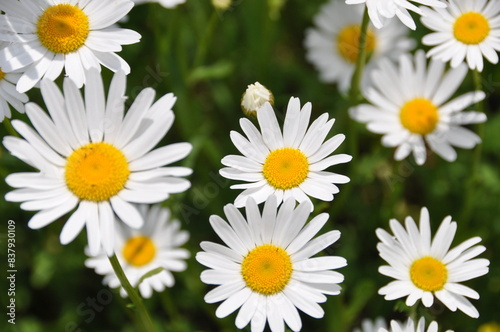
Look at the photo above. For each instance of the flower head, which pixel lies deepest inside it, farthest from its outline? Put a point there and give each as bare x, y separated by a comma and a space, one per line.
92, 157
368, 325
381, 10
255, 96
52, 35
465, 31
267, 269
410, 326
425, 268
333, 45
410, 104
288, 164
155, 245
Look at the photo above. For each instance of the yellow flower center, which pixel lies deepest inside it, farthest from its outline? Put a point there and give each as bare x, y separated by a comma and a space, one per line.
471, 28
63, 28
2, 74
285, 168
429, 274
348, 42
96, 172
489, 327
419, 116
139, 250
267, 269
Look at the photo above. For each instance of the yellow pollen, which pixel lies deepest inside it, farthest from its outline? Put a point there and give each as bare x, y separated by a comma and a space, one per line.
139, 250
348, 42
429, 274
96, 172
267, 269
471, 28
419, 116
63, 28
286, 168
2, 74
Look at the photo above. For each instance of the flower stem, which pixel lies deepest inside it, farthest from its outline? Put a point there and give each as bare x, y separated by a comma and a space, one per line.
142, 313
471, 186
204, 43
355, 91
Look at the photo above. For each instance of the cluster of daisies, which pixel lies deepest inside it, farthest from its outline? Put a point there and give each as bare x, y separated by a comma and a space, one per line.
99, 167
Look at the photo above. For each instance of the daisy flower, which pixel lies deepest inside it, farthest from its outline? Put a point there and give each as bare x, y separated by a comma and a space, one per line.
410, 326
8, 93
333, 46
368, 325
380, 10
466, 30
93, 158
410, 105
164, 3
291, 164
49, 35
155, 245
425, 268
267, 269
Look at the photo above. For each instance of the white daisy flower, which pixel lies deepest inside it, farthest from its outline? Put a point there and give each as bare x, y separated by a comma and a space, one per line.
155, 245
267, 269
49, 35
93, 158
410, 104
164, 3
425, 268
8, 93
368, 325
291, 164
466, 30
411, 327
333, 46
381, 10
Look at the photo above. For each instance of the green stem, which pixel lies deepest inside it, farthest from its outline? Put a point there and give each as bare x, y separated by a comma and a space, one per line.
142, 313
471, 186
354, 99
355, 92
205, 41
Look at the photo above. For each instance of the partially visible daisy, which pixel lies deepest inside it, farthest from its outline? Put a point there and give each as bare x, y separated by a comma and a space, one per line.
53, 35
267, 269
333, 46
411, 327
92, 157
8, 93
381, 10
466, 30
425, 268
255, 96
291, 164
164, 3
368, 325
155, 245
410, 106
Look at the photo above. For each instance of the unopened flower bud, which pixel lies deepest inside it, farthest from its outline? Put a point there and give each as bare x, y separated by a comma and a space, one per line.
254, 98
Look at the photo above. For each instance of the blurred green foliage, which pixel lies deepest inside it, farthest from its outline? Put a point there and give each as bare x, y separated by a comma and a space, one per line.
207, 58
